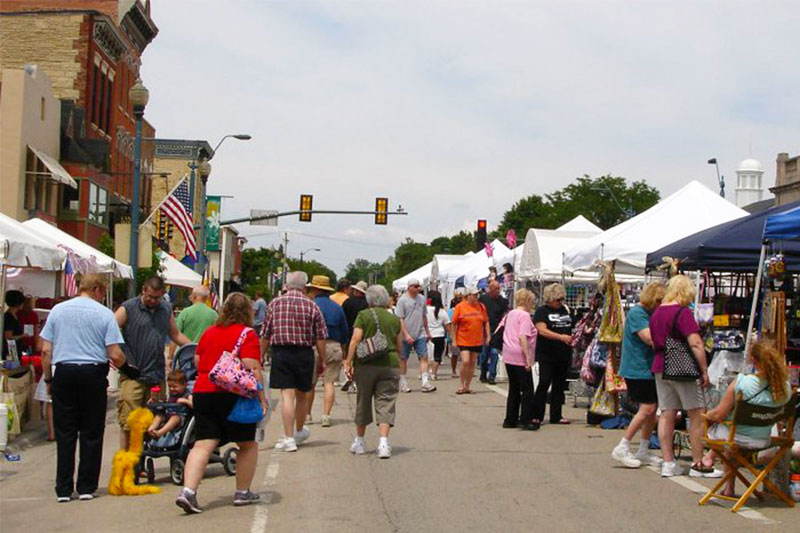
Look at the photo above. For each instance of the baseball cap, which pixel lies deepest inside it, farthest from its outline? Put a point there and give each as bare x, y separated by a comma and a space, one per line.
472, 289
413, 281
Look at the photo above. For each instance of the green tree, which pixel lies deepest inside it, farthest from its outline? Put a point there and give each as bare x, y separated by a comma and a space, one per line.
259, 263
362, 269
460, 243
529, 212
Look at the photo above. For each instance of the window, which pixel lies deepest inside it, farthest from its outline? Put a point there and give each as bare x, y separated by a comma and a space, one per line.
70, 199
98, 203
109, 101
95, 92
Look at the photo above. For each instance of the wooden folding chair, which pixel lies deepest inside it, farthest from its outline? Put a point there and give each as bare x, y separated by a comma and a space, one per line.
737, 457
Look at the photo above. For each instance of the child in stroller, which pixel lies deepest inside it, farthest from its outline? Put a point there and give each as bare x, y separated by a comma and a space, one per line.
175, 441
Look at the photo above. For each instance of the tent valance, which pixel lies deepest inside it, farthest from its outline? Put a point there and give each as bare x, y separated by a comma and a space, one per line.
784, 225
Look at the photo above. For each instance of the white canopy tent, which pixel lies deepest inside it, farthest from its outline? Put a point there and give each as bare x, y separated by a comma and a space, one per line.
442, 262
178, 274
580, 223
87, 259
691, 209
423, 274
543, 253
472, 268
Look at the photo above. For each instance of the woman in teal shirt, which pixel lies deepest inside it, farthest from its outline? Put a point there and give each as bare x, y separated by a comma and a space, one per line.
637, 357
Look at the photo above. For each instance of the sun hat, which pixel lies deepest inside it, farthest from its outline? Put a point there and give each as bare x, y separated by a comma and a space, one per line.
322, 283
361, 287
472, 289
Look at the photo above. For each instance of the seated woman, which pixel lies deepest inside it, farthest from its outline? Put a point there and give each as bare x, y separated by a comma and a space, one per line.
768, 387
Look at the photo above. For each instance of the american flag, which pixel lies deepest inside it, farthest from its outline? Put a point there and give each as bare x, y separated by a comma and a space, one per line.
213, 299
176, 208
70, 287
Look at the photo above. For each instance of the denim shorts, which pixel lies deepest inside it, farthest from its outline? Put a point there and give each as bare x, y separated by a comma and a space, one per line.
420, 346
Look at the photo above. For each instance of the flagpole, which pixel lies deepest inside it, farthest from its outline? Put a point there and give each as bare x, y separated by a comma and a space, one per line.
156, 208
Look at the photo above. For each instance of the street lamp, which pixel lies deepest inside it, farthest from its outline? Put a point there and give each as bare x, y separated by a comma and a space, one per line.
203, 170
305, 252
239, 136
138, 96
720, 179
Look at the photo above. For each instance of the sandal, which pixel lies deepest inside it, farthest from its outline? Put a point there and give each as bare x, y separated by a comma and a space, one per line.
461, 391
564, 422
470, 391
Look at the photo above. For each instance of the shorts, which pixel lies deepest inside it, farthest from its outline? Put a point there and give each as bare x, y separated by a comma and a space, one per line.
419, 345
438, 348
679, 394
211, 410
642, 390
475, 349
333, 362
132, 395
380, 384
292, 368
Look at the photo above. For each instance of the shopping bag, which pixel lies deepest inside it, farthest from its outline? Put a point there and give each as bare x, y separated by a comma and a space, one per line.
246, 411
613, 382
603, 403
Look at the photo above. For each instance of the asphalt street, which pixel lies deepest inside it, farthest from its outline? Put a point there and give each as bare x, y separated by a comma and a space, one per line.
453, 469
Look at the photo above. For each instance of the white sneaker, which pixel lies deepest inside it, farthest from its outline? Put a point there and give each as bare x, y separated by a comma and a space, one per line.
649, 458
286, 444
309, 420
301, 436
428, 387
325, 421
404, 385
715, 473
623, 455
63, 499
384, 450
85, 497
358, 447
671, 469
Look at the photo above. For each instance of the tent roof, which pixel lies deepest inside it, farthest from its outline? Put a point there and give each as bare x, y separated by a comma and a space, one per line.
20, 248
544, 249
731, 246
176, 273
423, 273
88, 259
693, 208
476, 267
579, 223
785, 225
442, 262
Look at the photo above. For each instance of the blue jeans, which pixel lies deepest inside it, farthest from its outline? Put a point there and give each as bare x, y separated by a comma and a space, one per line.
488, 362
420, 346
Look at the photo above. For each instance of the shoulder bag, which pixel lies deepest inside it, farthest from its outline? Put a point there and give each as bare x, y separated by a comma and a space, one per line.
230, 374
679, 361
375, 346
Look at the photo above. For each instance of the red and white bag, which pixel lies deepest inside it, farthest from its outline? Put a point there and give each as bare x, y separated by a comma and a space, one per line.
229, 372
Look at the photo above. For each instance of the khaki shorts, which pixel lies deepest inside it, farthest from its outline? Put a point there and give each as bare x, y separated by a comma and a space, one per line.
333, 362
132, 395
378, 383
686, 395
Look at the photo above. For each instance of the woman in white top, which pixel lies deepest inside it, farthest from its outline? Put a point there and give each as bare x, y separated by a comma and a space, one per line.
439, 325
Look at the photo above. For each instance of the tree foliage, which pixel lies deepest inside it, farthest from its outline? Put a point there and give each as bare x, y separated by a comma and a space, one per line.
259, 263
364, 270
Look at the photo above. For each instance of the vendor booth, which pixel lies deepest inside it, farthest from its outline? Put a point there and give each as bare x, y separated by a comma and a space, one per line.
423, 274
470, 270
689, 210
176, 273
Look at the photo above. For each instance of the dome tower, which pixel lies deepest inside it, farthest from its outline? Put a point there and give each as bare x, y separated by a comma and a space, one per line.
748, 182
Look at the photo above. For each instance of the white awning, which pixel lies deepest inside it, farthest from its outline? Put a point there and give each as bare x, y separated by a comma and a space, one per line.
58, 172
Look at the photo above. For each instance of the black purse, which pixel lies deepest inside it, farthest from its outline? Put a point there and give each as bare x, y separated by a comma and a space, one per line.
679, 361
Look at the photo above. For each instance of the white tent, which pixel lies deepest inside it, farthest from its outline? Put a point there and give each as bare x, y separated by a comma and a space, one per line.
472, 268
176, 273
423, 274
19, 248
580, 223
85, 258
442, 262
689, 210
544, 250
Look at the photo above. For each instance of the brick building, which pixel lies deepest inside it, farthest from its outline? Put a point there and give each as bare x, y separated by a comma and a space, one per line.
787, 179
91, 51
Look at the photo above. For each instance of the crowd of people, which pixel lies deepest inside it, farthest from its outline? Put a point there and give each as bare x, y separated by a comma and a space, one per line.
364, 337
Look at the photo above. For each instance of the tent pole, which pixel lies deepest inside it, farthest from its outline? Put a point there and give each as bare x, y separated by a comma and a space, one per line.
756, 294
2, 295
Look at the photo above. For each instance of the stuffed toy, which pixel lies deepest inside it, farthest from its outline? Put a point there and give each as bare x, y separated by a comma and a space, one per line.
125, 461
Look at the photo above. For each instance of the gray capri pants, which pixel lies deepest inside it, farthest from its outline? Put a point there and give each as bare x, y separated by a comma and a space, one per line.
380, 383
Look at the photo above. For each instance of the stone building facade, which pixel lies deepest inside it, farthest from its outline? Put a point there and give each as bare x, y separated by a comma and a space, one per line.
91, 50
787, 179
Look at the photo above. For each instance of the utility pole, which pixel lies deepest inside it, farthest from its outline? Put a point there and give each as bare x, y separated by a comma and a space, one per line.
285, 260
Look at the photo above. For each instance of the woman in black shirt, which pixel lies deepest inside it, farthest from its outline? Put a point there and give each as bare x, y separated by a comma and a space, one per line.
12, 329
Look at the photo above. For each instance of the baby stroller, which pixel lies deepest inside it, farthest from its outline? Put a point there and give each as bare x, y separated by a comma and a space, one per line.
176, 444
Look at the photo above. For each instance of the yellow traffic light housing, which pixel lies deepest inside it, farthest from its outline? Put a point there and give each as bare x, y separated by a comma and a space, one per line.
381, 207
306, 201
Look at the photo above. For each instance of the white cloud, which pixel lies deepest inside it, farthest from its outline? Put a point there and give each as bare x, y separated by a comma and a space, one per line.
456, 110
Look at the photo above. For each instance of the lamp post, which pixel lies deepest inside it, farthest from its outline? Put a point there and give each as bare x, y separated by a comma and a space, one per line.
203, 170
239, 136
305, 252
720, 179
138, 95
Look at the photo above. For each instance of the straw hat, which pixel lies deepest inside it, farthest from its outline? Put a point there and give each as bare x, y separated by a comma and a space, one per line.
322, 283
361, 287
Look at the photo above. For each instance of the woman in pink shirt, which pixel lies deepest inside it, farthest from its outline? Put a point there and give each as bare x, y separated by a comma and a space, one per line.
519, 345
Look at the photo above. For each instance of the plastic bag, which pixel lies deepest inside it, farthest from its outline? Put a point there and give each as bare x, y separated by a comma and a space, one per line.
246, 411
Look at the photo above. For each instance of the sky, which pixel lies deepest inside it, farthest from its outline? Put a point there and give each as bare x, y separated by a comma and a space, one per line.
456, 110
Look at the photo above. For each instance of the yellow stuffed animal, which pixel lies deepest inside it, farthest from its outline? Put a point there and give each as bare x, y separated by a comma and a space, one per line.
122, 470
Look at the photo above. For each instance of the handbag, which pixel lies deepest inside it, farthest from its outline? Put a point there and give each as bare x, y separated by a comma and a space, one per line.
679, 361
599, 355
230, 374
375, 346
246, 411
603, 403
587, 373
613, 382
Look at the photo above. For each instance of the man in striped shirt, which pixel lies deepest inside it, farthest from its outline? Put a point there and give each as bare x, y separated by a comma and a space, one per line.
294, 324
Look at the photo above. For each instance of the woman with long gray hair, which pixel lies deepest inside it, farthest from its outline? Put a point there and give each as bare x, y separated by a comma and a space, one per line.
378, 378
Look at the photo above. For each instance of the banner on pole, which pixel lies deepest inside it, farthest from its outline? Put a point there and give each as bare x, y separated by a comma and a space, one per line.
212, 223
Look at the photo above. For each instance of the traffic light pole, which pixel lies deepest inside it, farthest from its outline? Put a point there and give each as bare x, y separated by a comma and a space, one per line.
313, 212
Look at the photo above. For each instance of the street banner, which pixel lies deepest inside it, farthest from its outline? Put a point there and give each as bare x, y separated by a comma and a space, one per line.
212, 223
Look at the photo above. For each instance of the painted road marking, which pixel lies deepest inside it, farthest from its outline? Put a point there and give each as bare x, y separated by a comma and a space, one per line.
261, 515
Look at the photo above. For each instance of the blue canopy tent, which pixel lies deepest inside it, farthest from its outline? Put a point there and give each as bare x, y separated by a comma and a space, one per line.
733, 246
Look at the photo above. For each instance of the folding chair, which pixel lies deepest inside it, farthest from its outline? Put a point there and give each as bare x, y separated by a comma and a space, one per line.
736, 456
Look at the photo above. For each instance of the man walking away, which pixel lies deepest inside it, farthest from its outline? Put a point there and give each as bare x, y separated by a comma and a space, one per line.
198, 317
496, 308
80, 337
412, 312
352, 306
335, 345
259, 314
342, 292
293, 325
146, 322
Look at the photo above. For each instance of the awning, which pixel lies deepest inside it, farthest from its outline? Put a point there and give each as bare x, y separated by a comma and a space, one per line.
58, 172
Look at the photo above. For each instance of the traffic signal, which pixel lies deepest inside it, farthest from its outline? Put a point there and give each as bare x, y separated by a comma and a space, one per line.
305, 207
480, 236
381, 207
